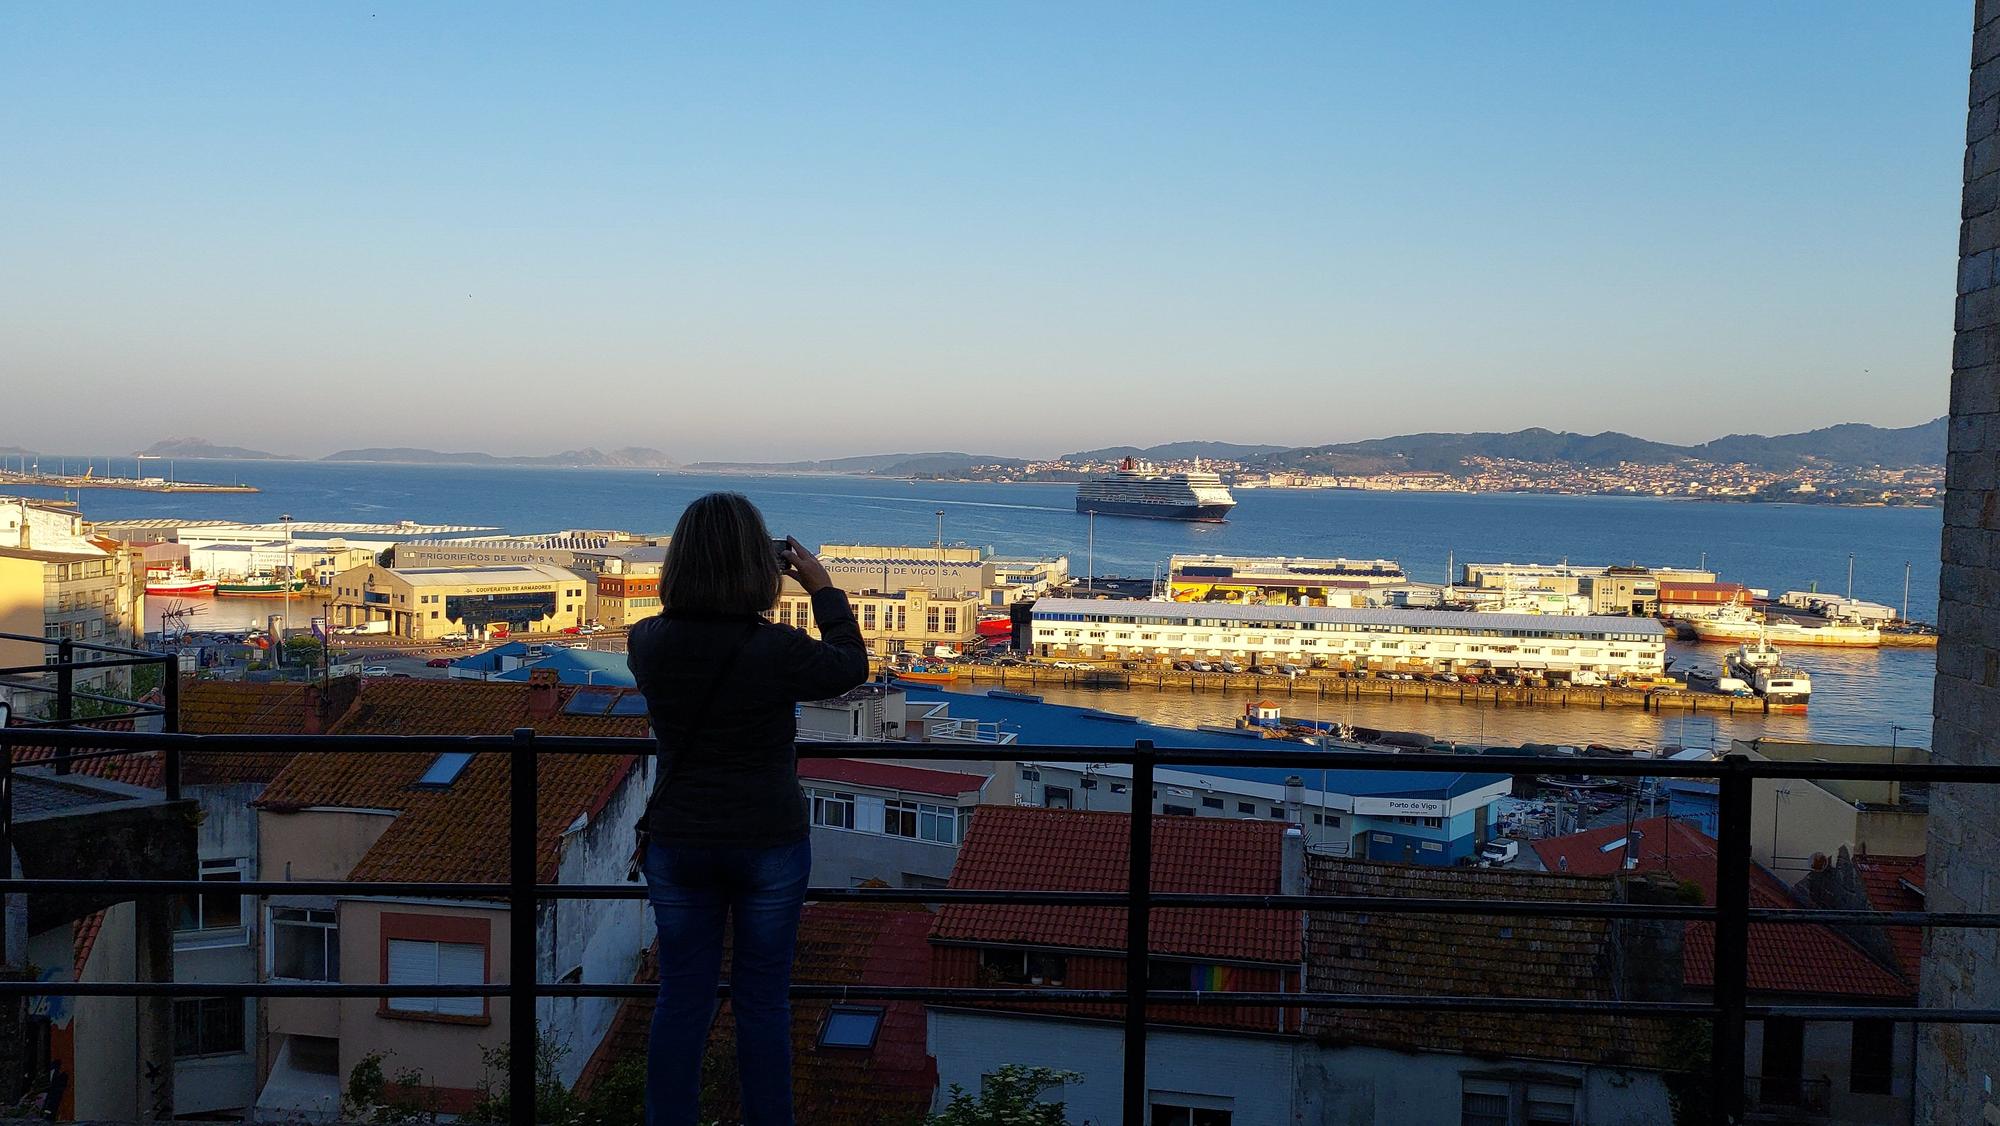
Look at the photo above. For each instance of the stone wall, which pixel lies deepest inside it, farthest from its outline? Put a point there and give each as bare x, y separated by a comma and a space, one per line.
1956, 1064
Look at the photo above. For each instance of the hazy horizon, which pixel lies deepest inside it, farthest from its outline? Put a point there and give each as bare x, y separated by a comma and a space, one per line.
783, 232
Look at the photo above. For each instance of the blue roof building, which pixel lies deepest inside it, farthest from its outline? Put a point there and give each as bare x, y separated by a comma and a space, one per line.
1394, 815
578, 666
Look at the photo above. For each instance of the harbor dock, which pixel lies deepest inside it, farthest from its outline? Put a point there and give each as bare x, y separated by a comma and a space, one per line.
129, 484
1354, 688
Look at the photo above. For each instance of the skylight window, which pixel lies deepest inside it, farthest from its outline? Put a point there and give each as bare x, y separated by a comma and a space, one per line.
446, 769
851, 1026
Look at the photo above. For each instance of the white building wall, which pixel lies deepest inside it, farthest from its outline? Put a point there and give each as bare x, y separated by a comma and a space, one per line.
605, 937
228, 830
1306, 642
1252, 1076
1265, 1080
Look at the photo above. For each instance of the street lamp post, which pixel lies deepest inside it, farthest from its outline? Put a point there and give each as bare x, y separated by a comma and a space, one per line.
1906, 590
1895, 729
285, 577
940, 552
1090, 556
1850, 576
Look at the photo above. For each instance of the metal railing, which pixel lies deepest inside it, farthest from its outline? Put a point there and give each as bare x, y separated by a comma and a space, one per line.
1731, 914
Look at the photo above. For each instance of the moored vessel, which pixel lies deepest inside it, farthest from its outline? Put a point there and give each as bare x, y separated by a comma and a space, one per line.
1762, 664
178, 585
1138, 489
1786, 630
260, 586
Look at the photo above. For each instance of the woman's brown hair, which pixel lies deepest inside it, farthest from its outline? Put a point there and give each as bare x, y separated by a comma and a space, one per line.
720, 560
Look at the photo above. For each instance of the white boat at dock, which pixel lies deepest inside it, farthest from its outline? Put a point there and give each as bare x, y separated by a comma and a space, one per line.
1762, 664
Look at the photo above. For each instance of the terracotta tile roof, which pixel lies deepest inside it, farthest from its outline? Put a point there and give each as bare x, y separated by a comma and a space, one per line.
887, 776
1792, 958
1896, 883
83, 940
1469, 955
456, 833
223, 707
839, 944
137, 768
1072, 850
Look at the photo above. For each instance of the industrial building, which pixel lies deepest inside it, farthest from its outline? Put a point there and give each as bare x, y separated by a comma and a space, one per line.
909, 621
951, 569
1333, 637
1620, 590
429, 603
1278, 581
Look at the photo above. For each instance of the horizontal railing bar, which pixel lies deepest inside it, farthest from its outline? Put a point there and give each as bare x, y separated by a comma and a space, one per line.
82, 666
1360, 760
352, 889
73, 757
140, 711
93, 646
1354, 904
1049, 996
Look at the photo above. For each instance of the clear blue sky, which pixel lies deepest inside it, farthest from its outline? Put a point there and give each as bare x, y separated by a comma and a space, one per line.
771, 231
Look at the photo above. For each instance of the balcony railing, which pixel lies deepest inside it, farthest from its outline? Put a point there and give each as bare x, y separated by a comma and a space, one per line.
1731, 914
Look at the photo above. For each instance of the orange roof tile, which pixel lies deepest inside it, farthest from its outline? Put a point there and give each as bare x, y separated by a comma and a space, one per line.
457, 833
1072, 850
1797, 958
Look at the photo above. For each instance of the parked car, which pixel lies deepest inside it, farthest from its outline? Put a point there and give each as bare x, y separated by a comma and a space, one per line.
1203, 666
375, 670
570, 629
438, 663
577, 645
1231, 667
1290, 670
592, 627
1499, 852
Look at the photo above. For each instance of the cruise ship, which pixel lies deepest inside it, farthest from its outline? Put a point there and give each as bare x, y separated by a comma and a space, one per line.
1137, 489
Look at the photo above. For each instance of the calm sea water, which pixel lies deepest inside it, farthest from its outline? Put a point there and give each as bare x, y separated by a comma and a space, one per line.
1858, 695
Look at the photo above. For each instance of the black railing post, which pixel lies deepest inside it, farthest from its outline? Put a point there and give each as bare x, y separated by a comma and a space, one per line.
65, 696
170, 722
522, 872
1138, 930
1732, 939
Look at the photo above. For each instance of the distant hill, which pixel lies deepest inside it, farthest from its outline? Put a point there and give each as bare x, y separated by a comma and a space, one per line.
202, 447
1176, 451
1851, 444
881, 465
624, 456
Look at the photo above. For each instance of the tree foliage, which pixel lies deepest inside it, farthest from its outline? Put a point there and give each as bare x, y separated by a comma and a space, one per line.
1011, 1096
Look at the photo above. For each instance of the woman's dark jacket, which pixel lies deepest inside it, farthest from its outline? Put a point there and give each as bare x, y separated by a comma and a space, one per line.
737, 783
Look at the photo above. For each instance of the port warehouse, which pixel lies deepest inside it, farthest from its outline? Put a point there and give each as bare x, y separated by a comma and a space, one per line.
1332, 636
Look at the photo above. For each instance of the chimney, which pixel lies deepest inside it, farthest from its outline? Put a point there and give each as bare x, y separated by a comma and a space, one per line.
315, 717
1292, 862
1295, 800
543, 697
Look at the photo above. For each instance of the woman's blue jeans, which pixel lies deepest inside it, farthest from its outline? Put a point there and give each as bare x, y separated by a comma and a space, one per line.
692, 889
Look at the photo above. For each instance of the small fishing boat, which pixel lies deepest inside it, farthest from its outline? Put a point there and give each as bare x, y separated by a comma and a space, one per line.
261, 585
177, 585
926, 672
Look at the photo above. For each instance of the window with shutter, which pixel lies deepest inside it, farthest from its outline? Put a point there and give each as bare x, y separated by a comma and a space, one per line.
417, 962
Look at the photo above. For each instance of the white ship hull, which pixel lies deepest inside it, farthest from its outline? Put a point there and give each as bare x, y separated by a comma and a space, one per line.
1730, 631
